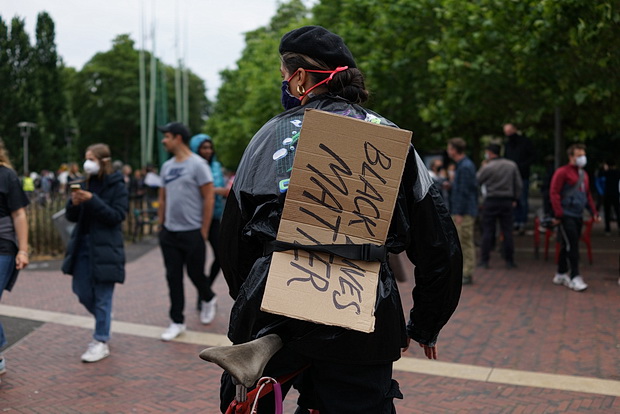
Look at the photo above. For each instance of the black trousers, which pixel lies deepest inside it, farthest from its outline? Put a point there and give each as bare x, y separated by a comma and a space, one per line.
610, 202
183, 248
569, 234
330, 387
214, 239
497, 209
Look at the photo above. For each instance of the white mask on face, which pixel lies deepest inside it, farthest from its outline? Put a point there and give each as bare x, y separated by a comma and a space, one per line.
581, 161
91, 167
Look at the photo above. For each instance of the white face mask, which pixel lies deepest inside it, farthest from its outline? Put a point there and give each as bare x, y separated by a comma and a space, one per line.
91, 167
486, 155
581, 161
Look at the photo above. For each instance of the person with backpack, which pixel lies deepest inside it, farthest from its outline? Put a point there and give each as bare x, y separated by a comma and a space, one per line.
570, 195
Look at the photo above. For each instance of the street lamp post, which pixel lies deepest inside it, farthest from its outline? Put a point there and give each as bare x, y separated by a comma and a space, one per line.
24, 130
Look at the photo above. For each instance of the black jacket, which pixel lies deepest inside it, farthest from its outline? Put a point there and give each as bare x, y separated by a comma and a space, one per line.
520, 149
104, 214
421, 225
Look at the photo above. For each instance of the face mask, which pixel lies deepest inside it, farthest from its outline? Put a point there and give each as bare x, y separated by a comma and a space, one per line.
581, 161
486, 155
91, 167
289, 101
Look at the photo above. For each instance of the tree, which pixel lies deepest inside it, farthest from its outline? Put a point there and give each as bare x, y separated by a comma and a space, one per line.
198, 101
18, 98
390, 41
105, 100
452, 68
499, 61
250, 94
53, 122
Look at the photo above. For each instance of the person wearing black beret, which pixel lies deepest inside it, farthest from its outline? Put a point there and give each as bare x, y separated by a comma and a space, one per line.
347, 371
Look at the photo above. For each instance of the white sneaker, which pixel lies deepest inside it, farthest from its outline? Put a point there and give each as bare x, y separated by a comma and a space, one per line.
561, 279
207, 313
96, 352
174, 330
577, 284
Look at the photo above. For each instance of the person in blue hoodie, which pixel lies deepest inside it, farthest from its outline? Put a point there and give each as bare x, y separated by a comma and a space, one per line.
96, 254
202, 145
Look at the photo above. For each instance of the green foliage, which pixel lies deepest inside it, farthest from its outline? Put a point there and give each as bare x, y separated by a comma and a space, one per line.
198, 102
452, 68
250, 94
73, 109
441, 68
106, 100
17, 95
52, 120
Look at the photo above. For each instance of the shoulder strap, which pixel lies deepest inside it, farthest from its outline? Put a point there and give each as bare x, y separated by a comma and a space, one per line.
367, 252
575, 188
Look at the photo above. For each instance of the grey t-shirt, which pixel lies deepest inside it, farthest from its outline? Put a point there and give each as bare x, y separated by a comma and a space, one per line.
184, 203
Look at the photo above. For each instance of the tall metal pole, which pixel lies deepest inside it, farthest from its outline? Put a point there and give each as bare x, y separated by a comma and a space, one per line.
24, 129
152, 97
178, 92
142, 69
185, 72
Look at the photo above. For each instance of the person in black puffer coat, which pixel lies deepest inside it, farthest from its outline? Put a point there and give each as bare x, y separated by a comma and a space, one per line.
95, 254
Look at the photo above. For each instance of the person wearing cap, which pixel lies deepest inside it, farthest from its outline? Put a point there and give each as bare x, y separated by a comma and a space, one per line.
349, 371
502, 182
184, 212
202, 145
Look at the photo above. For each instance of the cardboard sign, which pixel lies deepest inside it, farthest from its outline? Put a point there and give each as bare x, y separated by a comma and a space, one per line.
343, 190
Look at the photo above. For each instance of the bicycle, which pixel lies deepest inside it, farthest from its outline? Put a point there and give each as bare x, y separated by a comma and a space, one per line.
246, 363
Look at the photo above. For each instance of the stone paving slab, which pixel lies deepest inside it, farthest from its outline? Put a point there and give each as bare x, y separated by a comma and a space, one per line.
509, 319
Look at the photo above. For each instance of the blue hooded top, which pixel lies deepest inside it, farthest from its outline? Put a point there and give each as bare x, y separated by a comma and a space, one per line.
216, 170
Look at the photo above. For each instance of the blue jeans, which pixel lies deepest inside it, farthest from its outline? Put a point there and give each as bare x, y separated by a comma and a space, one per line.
522, 208
96, 297
7, 265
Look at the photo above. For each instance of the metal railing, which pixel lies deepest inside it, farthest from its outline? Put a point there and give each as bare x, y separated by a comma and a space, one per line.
44, 235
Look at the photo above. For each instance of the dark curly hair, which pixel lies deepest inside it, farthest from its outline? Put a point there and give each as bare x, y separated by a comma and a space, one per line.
348, 84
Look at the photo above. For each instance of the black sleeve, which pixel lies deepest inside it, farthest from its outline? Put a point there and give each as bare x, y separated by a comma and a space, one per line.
435, 250
237, 251
113, 213
16, 198
72, 213
530, 152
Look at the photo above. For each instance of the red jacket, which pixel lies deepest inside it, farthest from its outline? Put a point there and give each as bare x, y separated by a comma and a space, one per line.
563, 180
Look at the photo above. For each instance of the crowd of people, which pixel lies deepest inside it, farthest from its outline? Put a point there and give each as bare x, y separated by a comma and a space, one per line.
502, 183
97, 200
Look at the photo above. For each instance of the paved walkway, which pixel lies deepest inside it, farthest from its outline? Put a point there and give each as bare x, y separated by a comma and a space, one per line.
517, 344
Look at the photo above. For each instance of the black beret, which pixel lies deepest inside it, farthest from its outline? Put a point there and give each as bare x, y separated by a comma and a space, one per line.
318, 43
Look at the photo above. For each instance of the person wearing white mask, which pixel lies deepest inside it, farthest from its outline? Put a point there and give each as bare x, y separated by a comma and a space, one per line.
95, 254
570, 195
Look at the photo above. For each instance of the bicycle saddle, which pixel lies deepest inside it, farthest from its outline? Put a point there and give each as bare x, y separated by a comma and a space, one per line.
245, 362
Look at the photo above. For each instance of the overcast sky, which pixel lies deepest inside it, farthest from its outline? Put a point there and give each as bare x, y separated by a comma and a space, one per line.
212, 42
